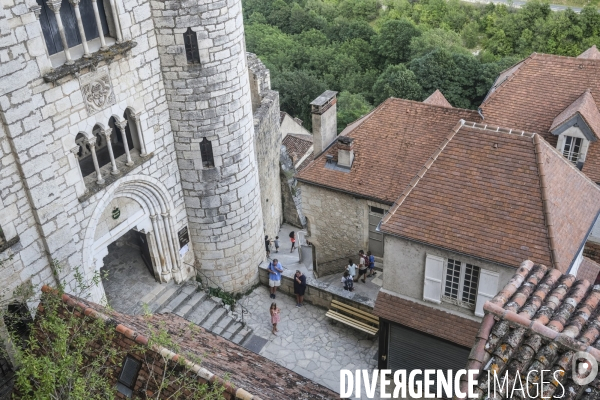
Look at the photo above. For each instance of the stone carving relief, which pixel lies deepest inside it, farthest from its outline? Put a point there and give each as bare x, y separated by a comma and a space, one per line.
97, 91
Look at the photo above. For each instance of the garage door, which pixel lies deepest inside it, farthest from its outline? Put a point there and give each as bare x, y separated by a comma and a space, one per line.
409, 349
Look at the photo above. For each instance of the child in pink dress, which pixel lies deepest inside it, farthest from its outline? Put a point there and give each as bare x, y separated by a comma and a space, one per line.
274, 317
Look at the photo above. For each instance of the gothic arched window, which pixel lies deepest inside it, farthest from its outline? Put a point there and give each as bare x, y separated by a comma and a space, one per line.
191, 46
206, 153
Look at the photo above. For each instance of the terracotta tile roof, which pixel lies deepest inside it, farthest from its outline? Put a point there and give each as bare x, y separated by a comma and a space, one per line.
584, 106
588, 269
437, 99
499, 195
297, 145
432, 321
390, 146
248, 374
591, 53
538, 321
534, 92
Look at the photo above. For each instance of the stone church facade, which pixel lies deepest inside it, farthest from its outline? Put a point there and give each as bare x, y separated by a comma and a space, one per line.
131, 115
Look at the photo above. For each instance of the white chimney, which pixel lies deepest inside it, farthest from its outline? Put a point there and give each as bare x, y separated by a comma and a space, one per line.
324, 120
345, 151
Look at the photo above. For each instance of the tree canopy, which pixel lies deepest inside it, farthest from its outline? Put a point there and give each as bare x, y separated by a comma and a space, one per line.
373, 49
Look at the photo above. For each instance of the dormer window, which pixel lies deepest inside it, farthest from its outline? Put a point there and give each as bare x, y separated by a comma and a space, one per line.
572, 148
576, 127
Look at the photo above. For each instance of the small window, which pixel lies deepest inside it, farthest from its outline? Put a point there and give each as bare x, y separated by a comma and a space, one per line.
128, 377
572, 148
191, 47
2, 237
206, 153
377, 210
460, 283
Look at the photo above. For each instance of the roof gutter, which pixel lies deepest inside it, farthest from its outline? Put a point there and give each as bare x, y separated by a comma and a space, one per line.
480, 112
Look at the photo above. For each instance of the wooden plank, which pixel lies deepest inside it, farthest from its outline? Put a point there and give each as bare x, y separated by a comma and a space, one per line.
349, 309
338, 317
349, 321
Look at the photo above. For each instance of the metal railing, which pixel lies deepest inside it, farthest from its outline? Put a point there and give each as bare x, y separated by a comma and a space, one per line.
216, 289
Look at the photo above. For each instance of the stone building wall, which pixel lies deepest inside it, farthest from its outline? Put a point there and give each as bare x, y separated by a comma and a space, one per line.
337, 224
290, 192
404, 266
212, 100
41, 120
267, 139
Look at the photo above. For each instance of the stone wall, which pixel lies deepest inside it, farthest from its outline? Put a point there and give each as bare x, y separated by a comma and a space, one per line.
290, 192
337, 226
267, 139
41, 120
592, 251
212, 100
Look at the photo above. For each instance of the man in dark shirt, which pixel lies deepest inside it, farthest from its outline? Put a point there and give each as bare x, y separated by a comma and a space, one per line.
299, 288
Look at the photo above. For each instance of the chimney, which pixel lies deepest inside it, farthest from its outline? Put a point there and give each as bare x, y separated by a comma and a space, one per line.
324, 119
345, 151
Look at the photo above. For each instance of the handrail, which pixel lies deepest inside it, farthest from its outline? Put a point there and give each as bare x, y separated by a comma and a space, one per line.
238, 303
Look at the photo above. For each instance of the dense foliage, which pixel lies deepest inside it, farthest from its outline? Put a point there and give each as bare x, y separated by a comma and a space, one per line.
370, 50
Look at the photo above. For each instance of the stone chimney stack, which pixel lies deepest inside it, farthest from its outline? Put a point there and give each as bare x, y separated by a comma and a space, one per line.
345, 151
324, 120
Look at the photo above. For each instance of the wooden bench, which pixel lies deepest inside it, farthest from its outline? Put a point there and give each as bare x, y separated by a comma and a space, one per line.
353, 317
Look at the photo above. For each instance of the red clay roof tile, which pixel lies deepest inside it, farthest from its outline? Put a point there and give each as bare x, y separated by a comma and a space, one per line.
426, 319
492, 194
390, 146
437, 99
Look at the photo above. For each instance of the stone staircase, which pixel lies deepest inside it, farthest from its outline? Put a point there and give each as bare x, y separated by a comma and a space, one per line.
190, 302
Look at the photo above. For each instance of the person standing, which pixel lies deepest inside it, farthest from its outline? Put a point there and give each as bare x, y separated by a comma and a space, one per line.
275, 270
371, 264
275, 317
276, 244
293, 240
351, 268
362, 266
299, 288
268, 245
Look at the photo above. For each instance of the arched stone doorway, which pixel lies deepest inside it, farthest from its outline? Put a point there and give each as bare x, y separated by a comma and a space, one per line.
143, 205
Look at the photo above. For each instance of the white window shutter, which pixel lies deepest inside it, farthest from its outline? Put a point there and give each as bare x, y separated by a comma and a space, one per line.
486, 290
434, 272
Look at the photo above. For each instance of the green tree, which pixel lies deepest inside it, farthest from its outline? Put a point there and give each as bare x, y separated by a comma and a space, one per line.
296, 90
436, 39
350, 108
394, 39
397, 81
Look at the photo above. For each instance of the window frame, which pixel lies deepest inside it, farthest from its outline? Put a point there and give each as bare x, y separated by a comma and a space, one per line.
568, 154
192, 50
472, 289
124, 387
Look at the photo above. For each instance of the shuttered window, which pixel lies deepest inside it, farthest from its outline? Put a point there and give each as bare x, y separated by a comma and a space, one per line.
460, 283
488, 288
434, 270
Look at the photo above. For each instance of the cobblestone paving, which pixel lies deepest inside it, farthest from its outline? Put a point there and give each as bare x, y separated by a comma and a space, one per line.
308, 342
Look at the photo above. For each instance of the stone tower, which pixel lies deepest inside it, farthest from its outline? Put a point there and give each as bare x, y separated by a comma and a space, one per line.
203, 60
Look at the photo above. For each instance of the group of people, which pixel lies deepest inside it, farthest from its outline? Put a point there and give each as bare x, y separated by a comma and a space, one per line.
275, 270
269, 242
366, 268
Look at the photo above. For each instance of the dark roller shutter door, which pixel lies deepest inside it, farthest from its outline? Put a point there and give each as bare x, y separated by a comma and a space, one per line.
409, 349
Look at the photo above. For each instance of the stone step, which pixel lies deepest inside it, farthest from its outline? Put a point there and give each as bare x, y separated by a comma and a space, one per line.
213, 318
232, 329
206, 307
165, 297
222, 323
186, 292
242, 335
191, 304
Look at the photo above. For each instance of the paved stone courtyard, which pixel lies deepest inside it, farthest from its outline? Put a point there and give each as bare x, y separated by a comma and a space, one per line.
308, 342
